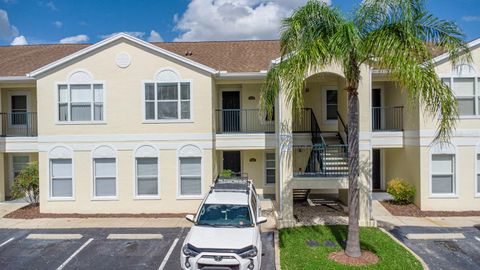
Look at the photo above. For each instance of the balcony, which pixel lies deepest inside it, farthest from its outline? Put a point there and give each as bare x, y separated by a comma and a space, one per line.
19, 124
387, 119
243, 121
320, 160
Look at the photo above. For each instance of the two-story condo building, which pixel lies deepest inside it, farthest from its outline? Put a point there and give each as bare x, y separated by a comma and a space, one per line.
127, 126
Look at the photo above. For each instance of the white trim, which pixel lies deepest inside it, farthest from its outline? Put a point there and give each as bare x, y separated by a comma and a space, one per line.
265, 168
95, 154
451, 151
446, 56
241, 75
112, 39
181, 154
156, 155
10, 94
169, 137
16, 79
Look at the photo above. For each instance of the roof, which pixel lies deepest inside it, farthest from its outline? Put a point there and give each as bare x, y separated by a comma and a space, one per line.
230, 56
222, 197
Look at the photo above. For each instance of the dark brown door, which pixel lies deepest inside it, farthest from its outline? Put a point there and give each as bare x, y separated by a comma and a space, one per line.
377, 109
231, 111
232, 161
376, 170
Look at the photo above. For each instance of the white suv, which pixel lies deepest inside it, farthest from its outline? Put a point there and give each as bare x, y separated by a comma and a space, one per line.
226, 231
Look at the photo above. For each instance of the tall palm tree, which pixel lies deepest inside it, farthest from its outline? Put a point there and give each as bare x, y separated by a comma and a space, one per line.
391, 35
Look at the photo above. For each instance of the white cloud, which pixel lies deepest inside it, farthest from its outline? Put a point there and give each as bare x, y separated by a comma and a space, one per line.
20, 40
51, 6
471, 18
9, 1
58, 24
7, 31
134, 34
234, 19
74, 39
155, 37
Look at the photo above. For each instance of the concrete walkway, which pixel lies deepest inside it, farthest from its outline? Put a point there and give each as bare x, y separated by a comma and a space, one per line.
383, 216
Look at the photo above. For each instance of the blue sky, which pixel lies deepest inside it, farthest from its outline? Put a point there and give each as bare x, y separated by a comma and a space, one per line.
88, 21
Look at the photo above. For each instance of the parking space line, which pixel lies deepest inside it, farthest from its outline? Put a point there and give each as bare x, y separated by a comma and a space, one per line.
6, 242
74, 254
54, 236
164, 262
478, 239
126, 236
434, 236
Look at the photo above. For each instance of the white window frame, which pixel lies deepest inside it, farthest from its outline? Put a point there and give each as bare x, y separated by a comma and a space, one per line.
453, 195
324, 104
477, 172
146, 151
476, 96
103, 152
274, 168
60, 152
190, 151
179, 101
10, 94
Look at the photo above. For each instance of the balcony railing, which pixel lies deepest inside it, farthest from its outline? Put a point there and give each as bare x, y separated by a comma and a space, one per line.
243, 121
387, 118
19, 124
321, 160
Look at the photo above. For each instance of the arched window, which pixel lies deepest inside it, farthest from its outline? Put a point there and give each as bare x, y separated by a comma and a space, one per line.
61, 173
147, 184
104, 172
80, 98
167, 97
190, 172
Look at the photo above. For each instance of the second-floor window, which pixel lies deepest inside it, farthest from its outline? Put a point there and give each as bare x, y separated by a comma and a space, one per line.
467, 93
80, 102
167, 101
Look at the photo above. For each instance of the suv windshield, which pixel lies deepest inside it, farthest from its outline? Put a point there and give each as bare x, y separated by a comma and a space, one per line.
225, 215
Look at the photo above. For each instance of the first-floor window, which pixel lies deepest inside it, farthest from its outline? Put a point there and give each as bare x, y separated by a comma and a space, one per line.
478, 174
105, 177
61, 185
270, 168
19, 162
443, 174
147, 176
190, 176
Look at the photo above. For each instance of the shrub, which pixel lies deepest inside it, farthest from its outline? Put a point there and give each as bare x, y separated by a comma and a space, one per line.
401, 191
226, 173
25, 185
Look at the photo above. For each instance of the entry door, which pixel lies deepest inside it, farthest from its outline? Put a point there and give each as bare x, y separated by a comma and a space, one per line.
376, 170
231, 111
232, 161
376, 109
18, 110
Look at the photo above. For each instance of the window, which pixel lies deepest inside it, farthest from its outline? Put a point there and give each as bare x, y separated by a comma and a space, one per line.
19, 162
443, 174
80, 102
167, 101
467, 94
147, 176
105, 177
190, 176
61, 185
270, 168
331, 104
478, 174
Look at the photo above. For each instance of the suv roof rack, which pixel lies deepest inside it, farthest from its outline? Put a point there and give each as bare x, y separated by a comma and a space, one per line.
235, 183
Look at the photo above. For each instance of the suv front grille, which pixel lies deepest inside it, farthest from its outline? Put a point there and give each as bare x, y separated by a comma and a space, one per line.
202, 266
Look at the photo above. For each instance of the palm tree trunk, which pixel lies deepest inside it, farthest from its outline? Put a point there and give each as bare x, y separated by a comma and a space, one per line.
353, 240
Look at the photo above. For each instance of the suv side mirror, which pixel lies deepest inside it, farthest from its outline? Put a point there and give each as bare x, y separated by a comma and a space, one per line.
190, 218
261, 220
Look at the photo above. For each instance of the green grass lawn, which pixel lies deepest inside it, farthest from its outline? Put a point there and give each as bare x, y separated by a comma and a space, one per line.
296, 254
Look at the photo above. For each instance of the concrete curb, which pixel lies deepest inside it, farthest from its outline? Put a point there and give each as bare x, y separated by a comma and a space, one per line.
276, 241
424, 264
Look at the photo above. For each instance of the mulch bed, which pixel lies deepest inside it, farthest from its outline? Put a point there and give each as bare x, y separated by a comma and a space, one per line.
366, 258
33, 211
411, 210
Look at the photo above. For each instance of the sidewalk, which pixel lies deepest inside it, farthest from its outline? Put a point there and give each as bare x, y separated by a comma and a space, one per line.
382, 215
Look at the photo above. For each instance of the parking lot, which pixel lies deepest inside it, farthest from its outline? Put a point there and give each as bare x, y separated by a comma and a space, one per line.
461, 253
143, 248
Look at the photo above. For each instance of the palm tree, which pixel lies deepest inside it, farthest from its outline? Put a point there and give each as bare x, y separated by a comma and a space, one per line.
392, 35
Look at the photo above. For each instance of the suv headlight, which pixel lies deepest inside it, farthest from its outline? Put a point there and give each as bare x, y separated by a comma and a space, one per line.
250, 253
189, 251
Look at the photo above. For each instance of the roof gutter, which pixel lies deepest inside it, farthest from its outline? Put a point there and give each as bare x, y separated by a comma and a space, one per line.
223, 75
16, 79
